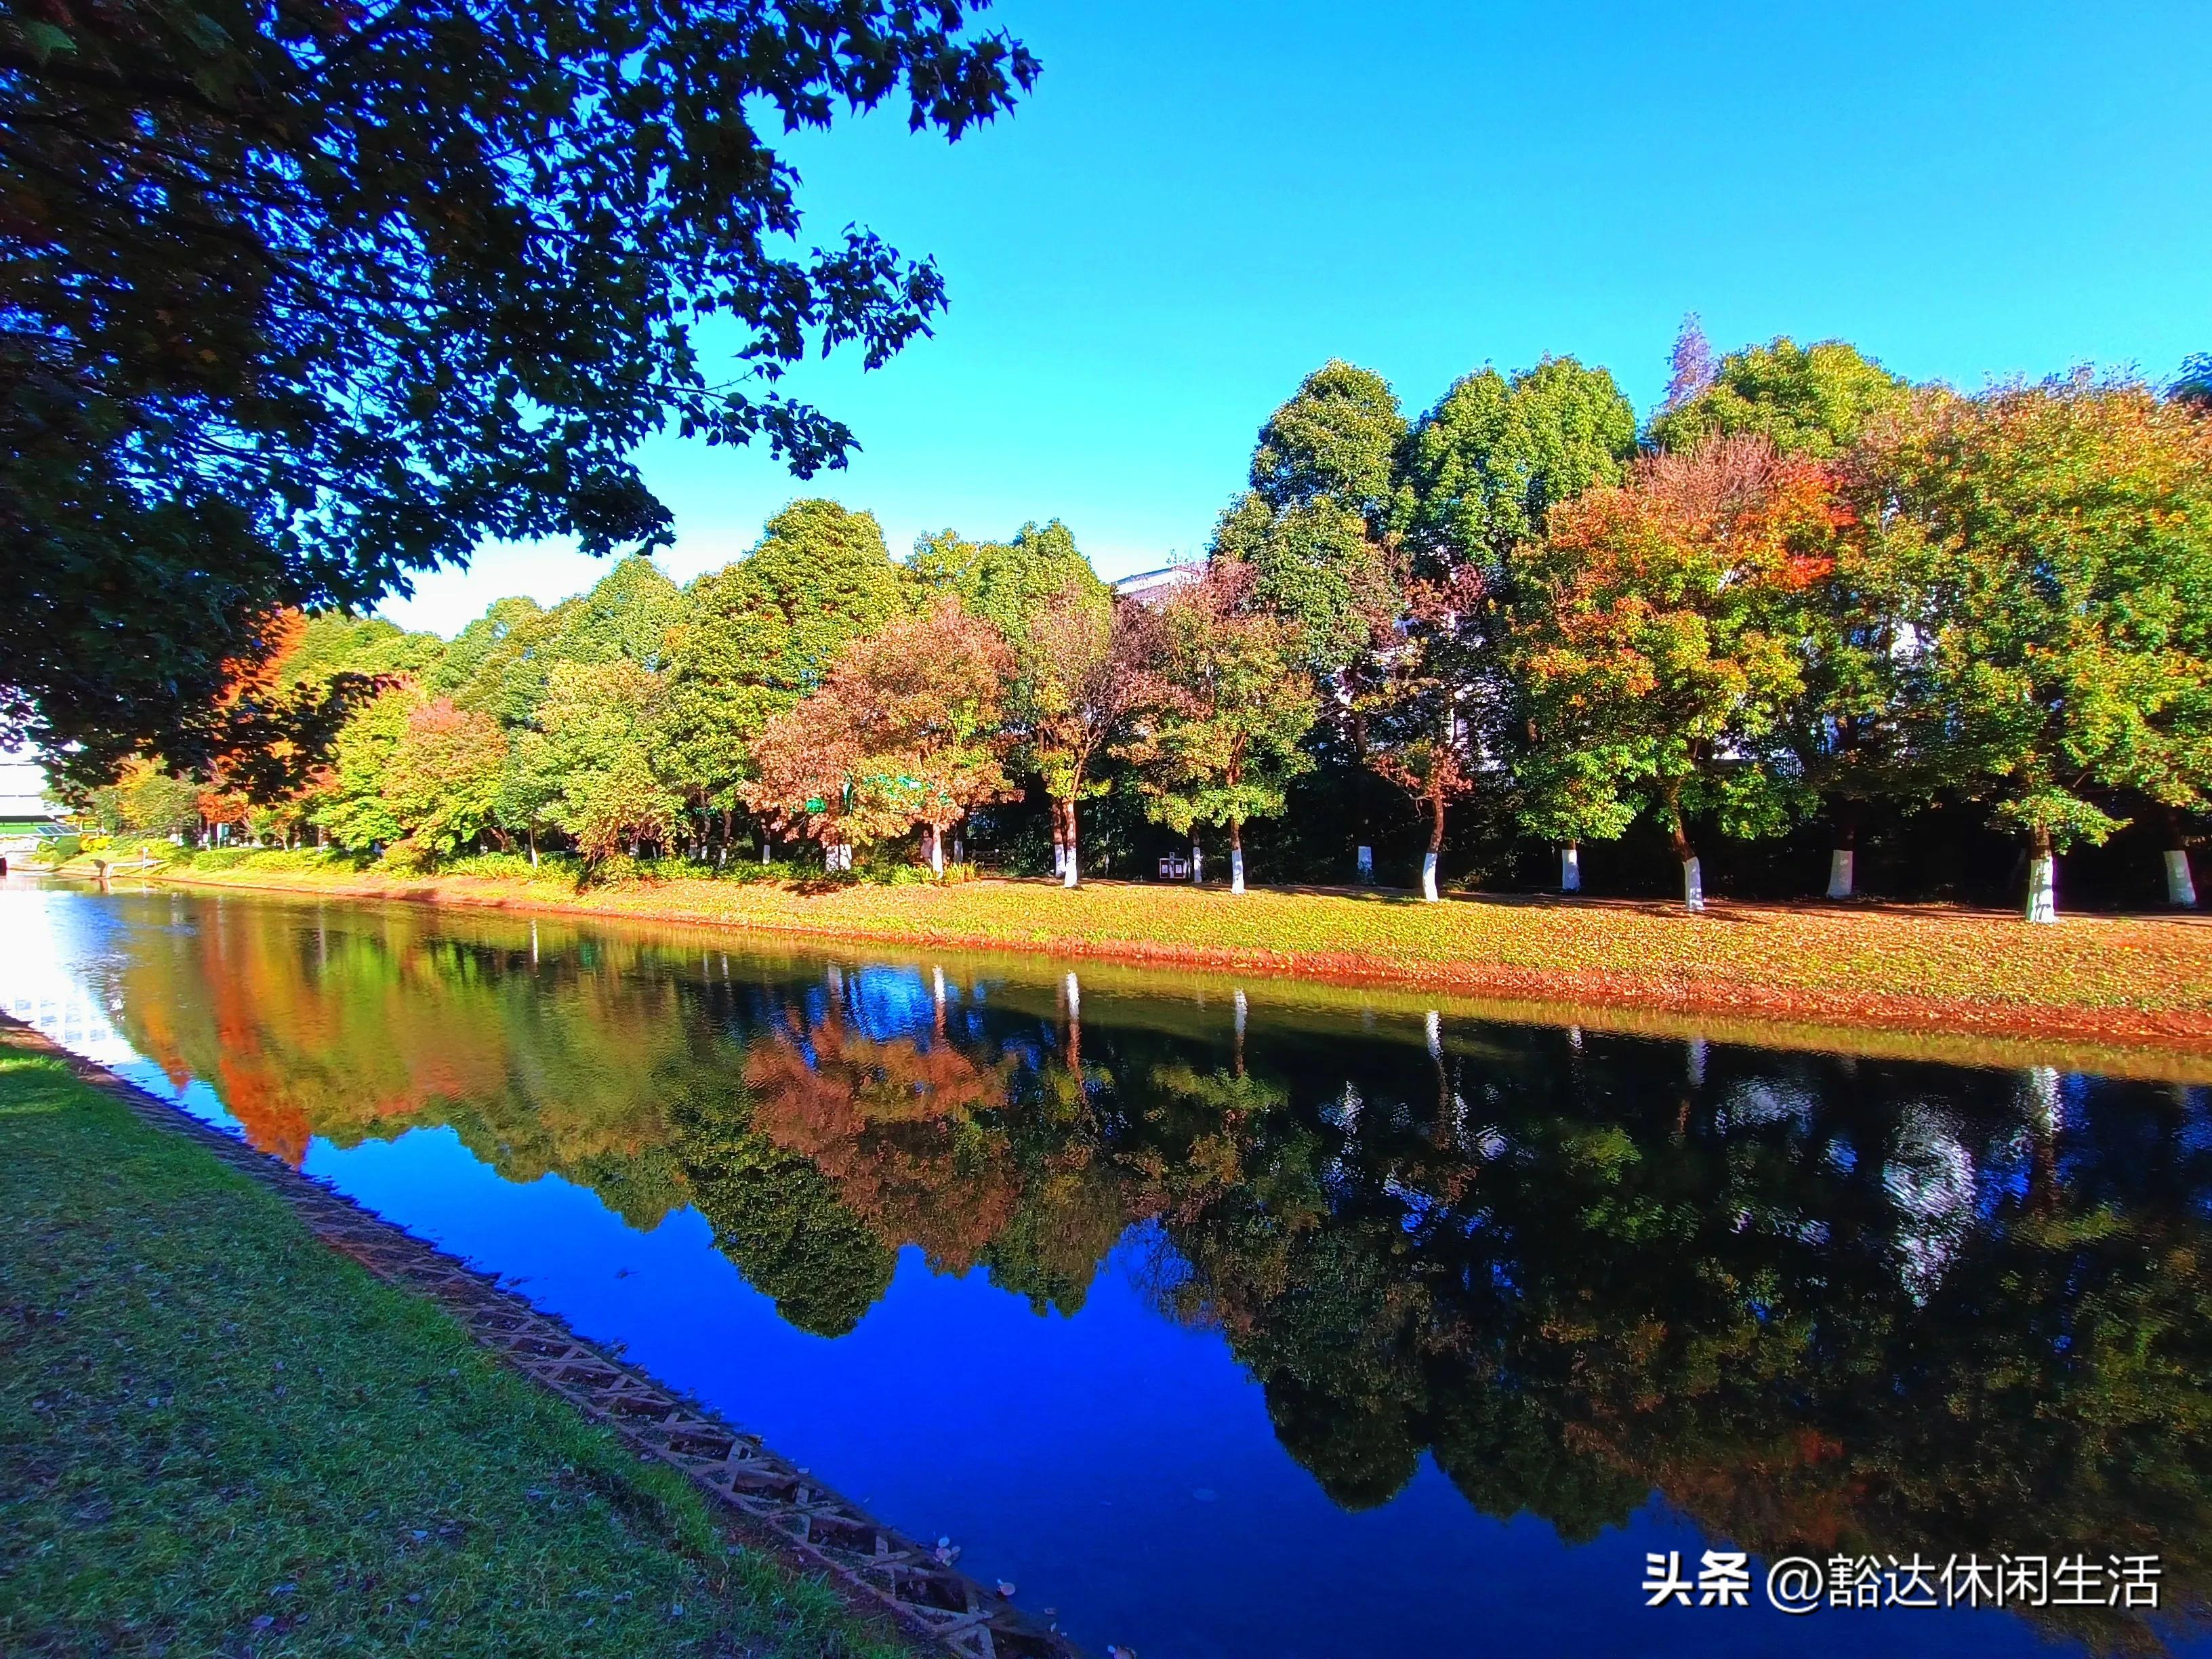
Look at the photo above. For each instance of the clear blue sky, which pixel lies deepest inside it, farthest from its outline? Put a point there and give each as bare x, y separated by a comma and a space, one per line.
1202, 203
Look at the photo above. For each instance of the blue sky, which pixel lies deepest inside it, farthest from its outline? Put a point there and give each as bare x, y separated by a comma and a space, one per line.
1202, 203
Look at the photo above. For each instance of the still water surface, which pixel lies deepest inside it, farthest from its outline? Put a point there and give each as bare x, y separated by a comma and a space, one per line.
1250, 1320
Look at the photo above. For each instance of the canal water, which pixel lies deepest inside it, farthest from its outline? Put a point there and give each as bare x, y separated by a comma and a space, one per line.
1230, 1320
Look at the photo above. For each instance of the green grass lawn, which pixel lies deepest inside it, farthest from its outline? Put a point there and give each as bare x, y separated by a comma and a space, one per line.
221, 1437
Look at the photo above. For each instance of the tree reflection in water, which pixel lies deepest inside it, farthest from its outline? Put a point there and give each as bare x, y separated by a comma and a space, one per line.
1821, 1304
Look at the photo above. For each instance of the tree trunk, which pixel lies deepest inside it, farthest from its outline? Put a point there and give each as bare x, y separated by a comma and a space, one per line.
2180, 886
1071, 993
1197, 862
2042, 877
1236, 855
1436, 847
1072, 871
1571, 868
936, 851
1693, 875
1058, 840
1843, 873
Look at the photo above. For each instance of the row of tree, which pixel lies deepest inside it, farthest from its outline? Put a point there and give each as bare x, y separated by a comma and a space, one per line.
1804, 590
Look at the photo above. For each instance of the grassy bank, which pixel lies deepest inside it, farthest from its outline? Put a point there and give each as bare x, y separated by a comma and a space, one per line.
2098, 980
223, 1438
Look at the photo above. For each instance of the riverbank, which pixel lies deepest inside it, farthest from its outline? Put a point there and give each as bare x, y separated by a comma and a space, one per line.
2096, 981
226, 1438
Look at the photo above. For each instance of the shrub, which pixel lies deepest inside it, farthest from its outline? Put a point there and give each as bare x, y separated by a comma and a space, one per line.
59, 850
407, 857
516, 865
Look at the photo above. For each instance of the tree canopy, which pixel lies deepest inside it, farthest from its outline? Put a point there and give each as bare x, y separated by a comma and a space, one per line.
1808, 400
304, 298
1656, 632
1316, 525
1489, 462
2056, 542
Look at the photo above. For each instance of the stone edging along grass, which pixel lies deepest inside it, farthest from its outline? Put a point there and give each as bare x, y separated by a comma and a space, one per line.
2099, 988
763, 1499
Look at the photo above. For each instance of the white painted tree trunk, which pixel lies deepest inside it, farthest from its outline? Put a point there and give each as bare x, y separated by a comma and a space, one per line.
1694, 885
764, 847
1071, 867
1235, 869
1429, 876
1841, 863
531, 835
936, 852
1058, 856
2180, 886
1364, 863
1197, 863
2048, 1111
2043, 887
1571, 868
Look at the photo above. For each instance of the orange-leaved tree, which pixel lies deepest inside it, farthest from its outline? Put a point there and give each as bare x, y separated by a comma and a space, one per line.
908, 729
1654, 639
1426, 706
1092, 660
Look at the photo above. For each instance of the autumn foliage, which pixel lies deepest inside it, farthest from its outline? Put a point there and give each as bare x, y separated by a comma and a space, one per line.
906, 730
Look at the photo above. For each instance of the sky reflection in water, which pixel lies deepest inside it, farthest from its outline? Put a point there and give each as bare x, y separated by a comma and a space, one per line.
1248, 1323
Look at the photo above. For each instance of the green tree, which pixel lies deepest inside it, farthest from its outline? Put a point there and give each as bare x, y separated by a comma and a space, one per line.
754, 637
333, 293
1489, 462
624, 616
2056, 542
1007, 583
352, 804
1483, 470
1655, 631
442, 780
1317, 524
1812, 400
1236, 701
491, 664
145, 799
338, 642
598, 722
